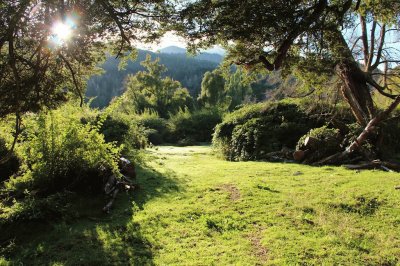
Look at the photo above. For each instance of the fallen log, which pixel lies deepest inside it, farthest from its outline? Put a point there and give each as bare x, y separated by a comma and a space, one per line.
376, 164
356, 144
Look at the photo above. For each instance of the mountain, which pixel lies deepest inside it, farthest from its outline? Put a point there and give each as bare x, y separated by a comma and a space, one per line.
187, 70
214, 57
173, 50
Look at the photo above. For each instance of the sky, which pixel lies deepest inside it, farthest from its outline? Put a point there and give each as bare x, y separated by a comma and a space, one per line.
171, 39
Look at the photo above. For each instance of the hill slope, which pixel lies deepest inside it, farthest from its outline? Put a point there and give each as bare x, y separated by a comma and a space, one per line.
188, 70
208, 56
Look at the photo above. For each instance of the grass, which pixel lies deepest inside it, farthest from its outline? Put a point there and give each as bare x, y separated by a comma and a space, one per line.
195, 209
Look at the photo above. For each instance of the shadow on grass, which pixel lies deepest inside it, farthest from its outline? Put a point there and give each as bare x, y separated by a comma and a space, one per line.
91, 237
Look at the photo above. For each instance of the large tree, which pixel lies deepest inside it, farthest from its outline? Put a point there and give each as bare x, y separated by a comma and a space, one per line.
212, 89
350, 39
149, 90
48, 48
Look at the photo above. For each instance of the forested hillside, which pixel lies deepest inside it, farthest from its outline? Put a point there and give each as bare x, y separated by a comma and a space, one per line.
187, 70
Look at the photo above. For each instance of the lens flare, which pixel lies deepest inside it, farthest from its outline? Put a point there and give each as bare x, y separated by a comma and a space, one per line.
61, 32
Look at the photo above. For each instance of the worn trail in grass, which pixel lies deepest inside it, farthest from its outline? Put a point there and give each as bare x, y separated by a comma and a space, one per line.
195, 209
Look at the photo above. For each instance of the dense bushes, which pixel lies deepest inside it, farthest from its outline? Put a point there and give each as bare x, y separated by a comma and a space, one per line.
197, 126
59, 155
255, 130
184, 128
9, 167
123, 130
155, 127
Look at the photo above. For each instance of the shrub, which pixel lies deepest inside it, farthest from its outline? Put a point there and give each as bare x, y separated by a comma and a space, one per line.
156, 128
390, 142
329, 142
257, 129
60, 153
59, 156
11, 166
123, 130
190, 127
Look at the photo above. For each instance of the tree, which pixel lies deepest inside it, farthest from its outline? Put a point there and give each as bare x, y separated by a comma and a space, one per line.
212, 89
309, 35
49, 48
149, 90
238, 88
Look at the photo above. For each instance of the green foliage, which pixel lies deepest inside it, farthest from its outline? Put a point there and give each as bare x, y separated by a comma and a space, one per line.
124, 130
148, 90
329, 141
59, 152
188, 71
390, 145
212, 89
156, 127
32, 209
189, 127
254, 130
238, 88
11, 166
59, 156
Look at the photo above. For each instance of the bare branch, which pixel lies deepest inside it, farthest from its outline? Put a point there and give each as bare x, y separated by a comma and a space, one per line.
364, 39
372, 46
380, 89
73, 78
381, 43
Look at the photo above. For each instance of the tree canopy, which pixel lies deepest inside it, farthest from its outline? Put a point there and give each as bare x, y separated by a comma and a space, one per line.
352, 39
48, 48
149, 90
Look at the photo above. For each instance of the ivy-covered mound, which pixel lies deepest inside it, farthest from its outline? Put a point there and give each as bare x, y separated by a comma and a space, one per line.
253, 131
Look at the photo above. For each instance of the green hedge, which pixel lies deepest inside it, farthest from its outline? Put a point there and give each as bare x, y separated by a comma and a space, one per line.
255, 130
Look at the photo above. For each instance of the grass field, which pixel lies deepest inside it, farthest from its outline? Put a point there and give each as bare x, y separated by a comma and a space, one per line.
195, 209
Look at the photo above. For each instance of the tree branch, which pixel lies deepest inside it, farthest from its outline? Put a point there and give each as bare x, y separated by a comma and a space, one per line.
73, 78
372, 46
364, 39
18, 121
380, 48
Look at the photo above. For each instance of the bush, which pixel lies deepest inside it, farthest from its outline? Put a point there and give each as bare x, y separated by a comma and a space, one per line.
123, 130
11, 166
59, 156
257, 129
156, 128
390, 143
191, 127
60, 153
329, 142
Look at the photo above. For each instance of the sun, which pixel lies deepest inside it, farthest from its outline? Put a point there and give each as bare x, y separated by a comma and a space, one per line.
61, 31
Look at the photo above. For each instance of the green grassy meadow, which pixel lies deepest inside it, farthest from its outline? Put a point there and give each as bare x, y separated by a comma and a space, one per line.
193, 208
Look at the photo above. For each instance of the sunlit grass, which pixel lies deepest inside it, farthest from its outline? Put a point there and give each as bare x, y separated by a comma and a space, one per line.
195, 209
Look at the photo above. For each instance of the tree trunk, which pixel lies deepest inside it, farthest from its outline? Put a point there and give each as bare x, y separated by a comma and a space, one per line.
354, 87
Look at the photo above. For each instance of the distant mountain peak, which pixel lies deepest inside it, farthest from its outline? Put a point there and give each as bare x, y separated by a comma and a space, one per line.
214, 57
173, 50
